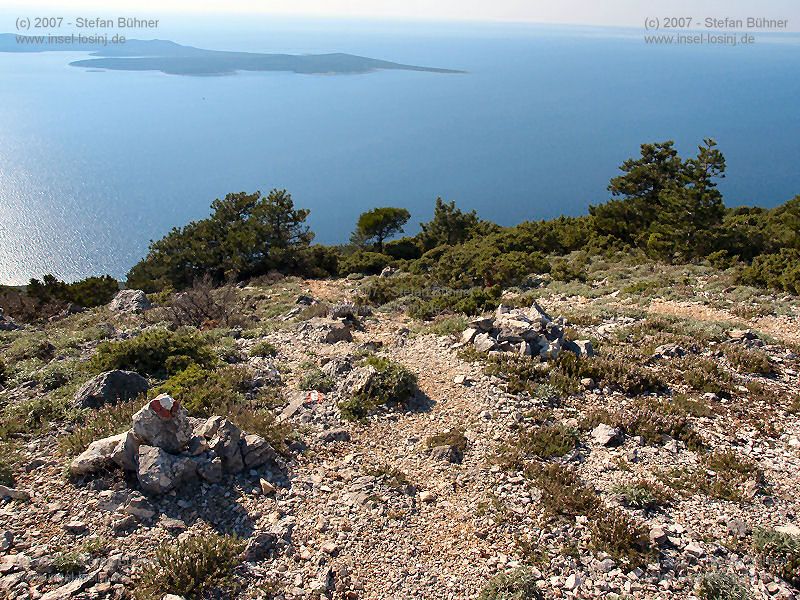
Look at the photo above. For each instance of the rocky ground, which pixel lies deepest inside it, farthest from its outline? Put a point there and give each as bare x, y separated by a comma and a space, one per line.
376, 509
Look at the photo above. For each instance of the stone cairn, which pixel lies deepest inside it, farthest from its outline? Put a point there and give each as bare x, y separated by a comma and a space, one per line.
166, 448
526, 332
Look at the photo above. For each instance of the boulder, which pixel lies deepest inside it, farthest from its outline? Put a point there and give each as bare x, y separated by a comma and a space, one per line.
163, 423
605, 435
130, 301
109, 388
336, 332
447, 453
256, 451
359, 381
160, 472
484, 343
96, 457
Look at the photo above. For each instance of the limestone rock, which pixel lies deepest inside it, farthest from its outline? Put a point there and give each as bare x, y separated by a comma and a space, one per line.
109, 388
606, 435
163, 423
13, 493
256, 451
160, 472
130, 301
96, 457
126, 454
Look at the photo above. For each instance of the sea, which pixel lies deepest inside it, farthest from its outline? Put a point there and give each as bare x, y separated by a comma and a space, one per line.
96, 164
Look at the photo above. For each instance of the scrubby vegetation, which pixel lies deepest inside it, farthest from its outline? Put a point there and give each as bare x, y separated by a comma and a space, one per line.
520, 584
97, 424
196, 567
780, 553
390, 383
157, 352
721, 586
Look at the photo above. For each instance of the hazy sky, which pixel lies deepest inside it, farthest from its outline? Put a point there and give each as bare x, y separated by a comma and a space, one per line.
592, 12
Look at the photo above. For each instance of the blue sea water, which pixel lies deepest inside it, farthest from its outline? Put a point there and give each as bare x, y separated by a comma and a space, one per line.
93, 165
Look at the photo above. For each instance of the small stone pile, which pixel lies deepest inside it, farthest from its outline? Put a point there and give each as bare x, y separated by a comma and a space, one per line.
166, 448
526, 332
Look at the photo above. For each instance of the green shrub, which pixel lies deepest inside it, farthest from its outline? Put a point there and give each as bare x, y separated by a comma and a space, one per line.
519, 584
616, 534
391, 383
644, 494
781, 271
454, 438
446, 326
754, 362
363, 261
315, 379
547, 441
69, 563
264, 349
403, 249
205, 393
721, 586
155, 352
195, 568
3, 372
779, 553
471, 302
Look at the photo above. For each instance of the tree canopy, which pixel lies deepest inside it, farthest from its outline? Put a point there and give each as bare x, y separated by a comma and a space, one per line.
377, 225
246, 235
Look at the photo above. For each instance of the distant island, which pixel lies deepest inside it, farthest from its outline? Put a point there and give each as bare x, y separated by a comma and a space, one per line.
175, 59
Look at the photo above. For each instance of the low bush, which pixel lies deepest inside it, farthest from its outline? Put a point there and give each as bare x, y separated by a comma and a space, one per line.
719, 585
363, 261
99, 423
30, 416
779, 553
519, 584
563, 493
316, 379
781, 271
644, 494
205, 393
618, 535
547, 441
156, 352
446, 326
744, 360
391, 383
3, 372
653, 419
454, 438
264, 349
196, 567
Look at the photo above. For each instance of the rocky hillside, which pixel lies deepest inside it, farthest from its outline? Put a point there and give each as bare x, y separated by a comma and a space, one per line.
610, 441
